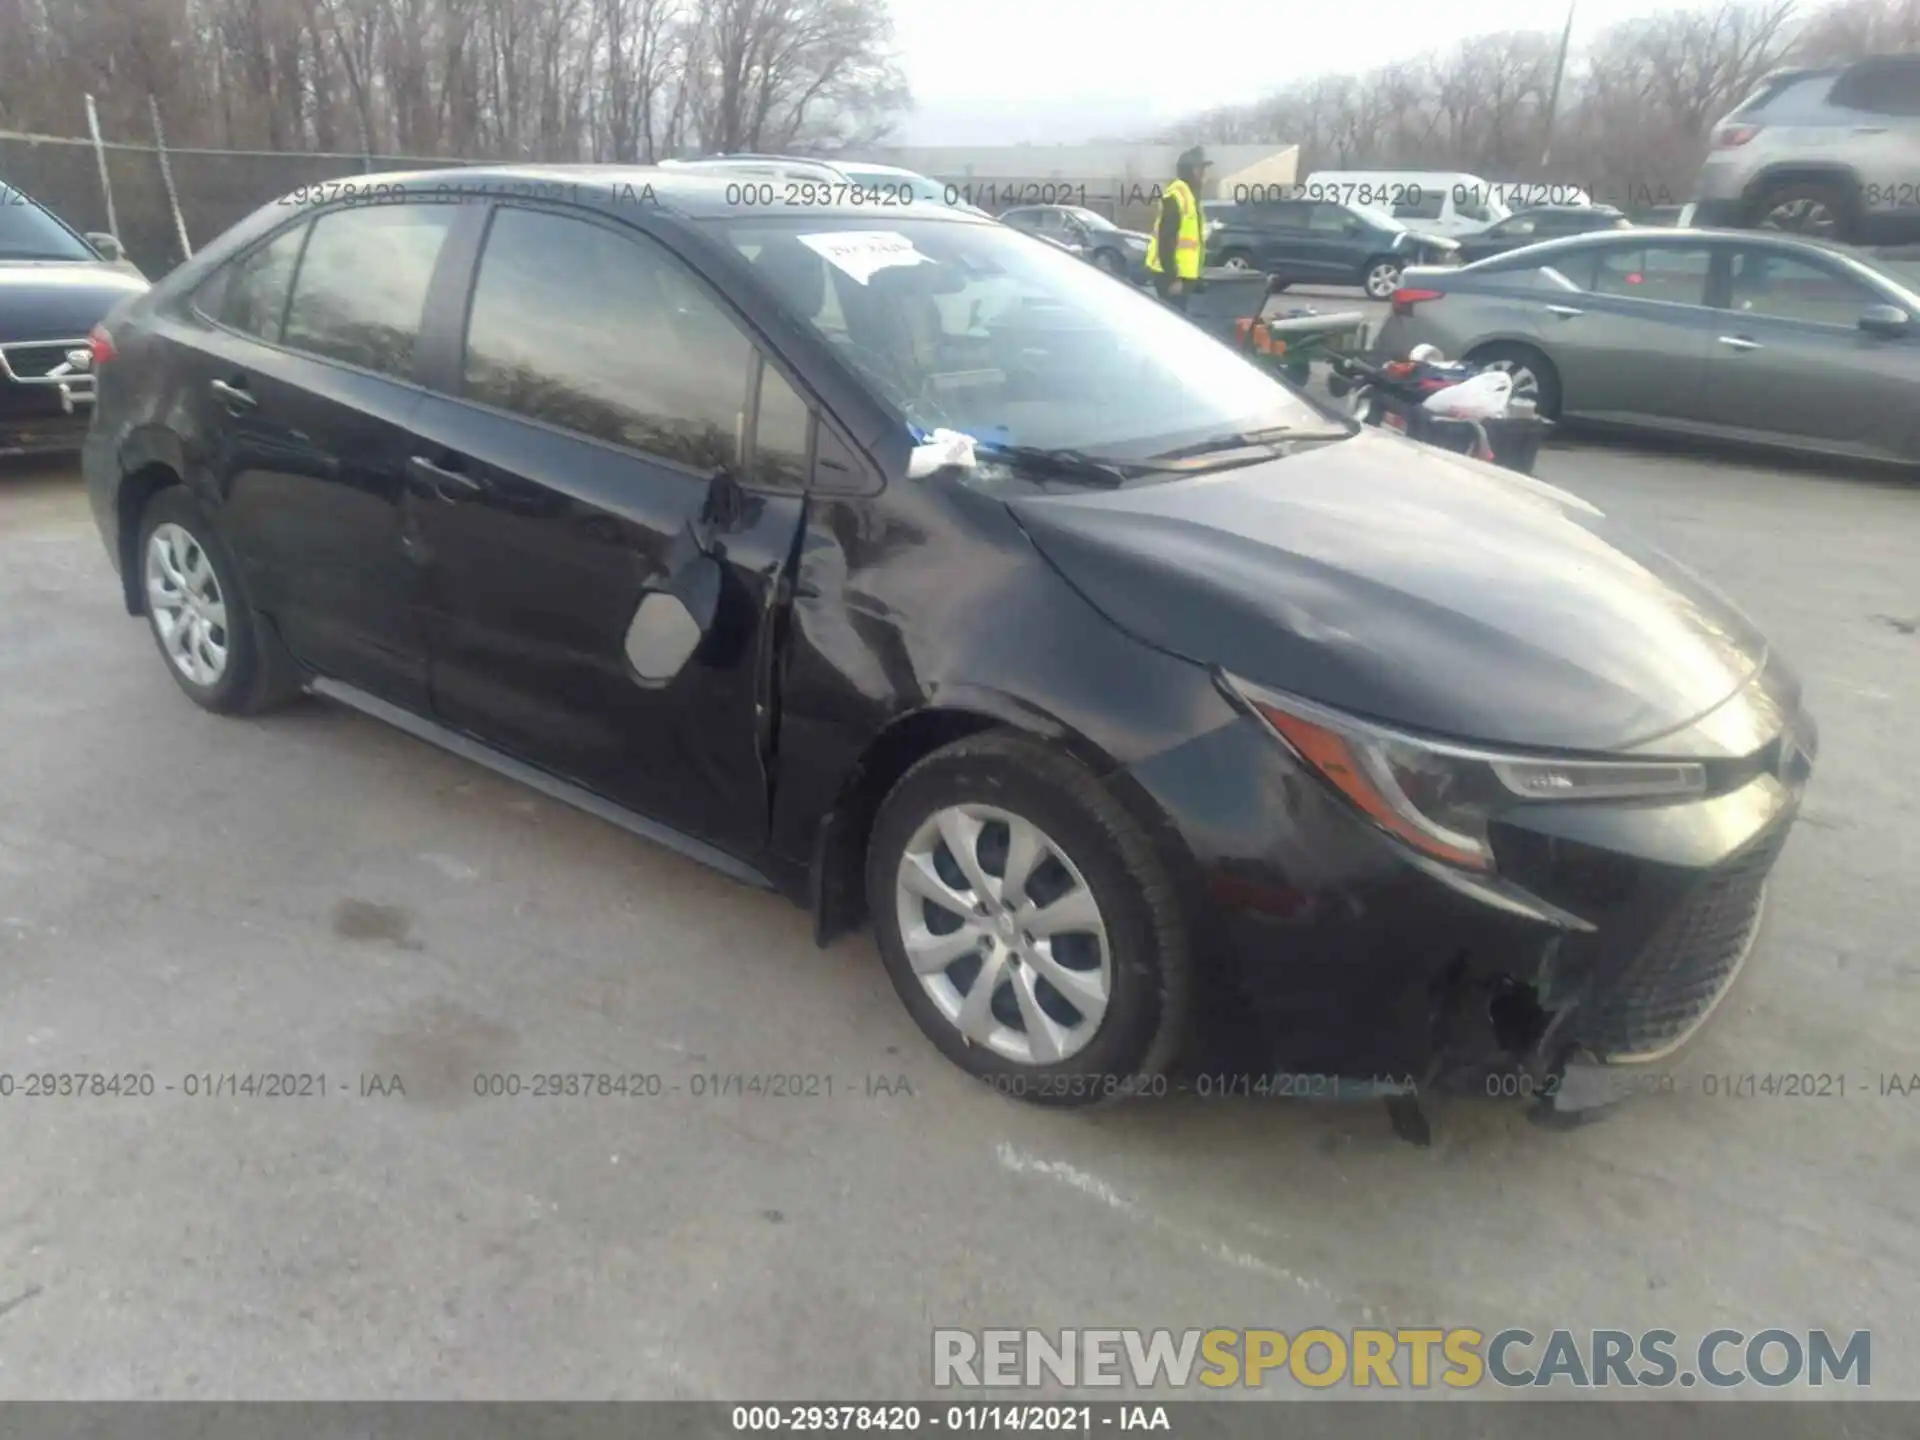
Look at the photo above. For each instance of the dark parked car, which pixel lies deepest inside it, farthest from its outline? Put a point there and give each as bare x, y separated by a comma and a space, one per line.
1165, 718
1531, 227
1754, 337
55, 285
1088, 233
1318, 242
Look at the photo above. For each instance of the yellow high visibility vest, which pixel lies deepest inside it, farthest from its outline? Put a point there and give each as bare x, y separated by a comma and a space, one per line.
1190, 256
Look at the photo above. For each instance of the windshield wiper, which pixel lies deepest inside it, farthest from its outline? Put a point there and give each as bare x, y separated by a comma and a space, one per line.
1237, 440
1250, 440
1072, 464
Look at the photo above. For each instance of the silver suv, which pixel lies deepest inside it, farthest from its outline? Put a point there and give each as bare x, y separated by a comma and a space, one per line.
1832, 152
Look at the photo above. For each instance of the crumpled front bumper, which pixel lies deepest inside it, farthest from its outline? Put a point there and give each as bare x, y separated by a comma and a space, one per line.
1330, 953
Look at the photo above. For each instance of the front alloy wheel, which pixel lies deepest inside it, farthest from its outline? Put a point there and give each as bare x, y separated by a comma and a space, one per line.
1028, 923
1004, 934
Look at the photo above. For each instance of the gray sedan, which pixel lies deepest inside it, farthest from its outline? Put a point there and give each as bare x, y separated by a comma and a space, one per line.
1770, 338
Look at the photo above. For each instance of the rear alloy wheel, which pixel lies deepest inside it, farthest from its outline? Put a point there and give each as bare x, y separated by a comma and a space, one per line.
1805, 208
216, 648
1382, 278
1026, 923
1533, 374
1236, 260
186, 605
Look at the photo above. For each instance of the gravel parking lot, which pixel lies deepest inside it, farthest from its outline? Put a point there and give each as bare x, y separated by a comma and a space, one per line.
317, 894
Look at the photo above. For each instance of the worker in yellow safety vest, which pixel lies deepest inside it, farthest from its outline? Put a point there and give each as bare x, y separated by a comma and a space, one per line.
1180, 231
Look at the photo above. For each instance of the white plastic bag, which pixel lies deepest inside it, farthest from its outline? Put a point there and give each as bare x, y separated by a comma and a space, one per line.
1480, 397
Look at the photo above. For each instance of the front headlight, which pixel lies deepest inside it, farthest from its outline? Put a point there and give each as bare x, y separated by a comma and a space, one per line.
1438, 797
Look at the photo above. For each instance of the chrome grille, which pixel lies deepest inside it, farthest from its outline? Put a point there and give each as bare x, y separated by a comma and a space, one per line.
43, 362
1674, 984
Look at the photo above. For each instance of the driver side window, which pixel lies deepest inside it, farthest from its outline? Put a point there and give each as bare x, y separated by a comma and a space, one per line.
1788, 288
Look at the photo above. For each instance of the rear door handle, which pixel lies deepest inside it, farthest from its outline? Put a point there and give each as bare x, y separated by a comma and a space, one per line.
1565, 312
450, 485
1739, 342
235, 397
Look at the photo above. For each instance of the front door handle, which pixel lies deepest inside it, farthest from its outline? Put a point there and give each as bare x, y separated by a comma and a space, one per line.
1739, 342
235, 397
449, 484
1565, 312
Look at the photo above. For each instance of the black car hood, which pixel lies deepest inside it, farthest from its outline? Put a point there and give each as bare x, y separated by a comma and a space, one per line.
58, 299
1396, 581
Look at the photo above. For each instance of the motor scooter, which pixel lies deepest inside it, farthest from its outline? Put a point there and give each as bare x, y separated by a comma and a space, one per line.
1450, 404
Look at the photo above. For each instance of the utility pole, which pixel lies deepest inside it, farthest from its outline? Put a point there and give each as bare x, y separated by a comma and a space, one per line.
1553, 95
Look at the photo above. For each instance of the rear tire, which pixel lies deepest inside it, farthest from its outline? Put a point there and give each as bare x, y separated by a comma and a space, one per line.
1096, 912
1819, 209
1236, 260
1525, 364
1380, 277
216, 647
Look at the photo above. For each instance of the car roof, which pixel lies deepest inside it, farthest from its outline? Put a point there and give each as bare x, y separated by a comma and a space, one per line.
691, 193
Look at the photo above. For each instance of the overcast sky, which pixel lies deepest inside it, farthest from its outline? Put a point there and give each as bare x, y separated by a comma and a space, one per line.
1002, 71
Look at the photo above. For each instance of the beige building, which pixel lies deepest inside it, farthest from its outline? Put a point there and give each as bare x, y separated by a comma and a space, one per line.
1116, 180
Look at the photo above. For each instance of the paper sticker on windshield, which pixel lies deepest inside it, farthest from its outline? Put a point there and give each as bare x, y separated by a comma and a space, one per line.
862, 253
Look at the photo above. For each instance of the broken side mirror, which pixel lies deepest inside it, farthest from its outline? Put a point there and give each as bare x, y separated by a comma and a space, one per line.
677, 614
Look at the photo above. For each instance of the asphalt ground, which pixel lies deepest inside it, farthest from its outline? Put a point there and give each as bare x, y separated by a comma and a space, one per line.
316, 894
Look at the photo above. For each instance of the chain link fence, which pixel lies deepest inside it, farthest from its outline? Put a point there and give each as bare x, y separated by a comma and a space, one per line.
124, 188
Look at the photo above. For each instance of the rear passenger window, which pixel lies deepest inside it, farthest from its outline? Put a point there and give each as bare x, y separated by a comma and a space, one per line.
362, 287
605, 333
255, 296
1884, 85
1674, 274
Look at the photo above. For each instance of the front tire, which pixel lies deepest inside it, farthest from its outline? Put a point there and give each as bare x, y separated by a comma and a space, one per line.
1380, 277
1027, 924
1111, 261
1534, 377
214, 644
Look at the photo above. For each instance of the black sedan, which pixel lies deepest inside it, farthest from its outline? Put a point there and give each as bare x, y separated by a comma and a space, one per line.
54, 287
1543, 222
1087, 233
1156, 720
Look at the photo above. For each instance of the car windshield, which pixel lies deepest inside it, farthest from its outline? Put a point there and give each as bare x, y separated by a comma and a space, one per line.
1901, 265
1379, 218
973, 327
1092, 219
29, 233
